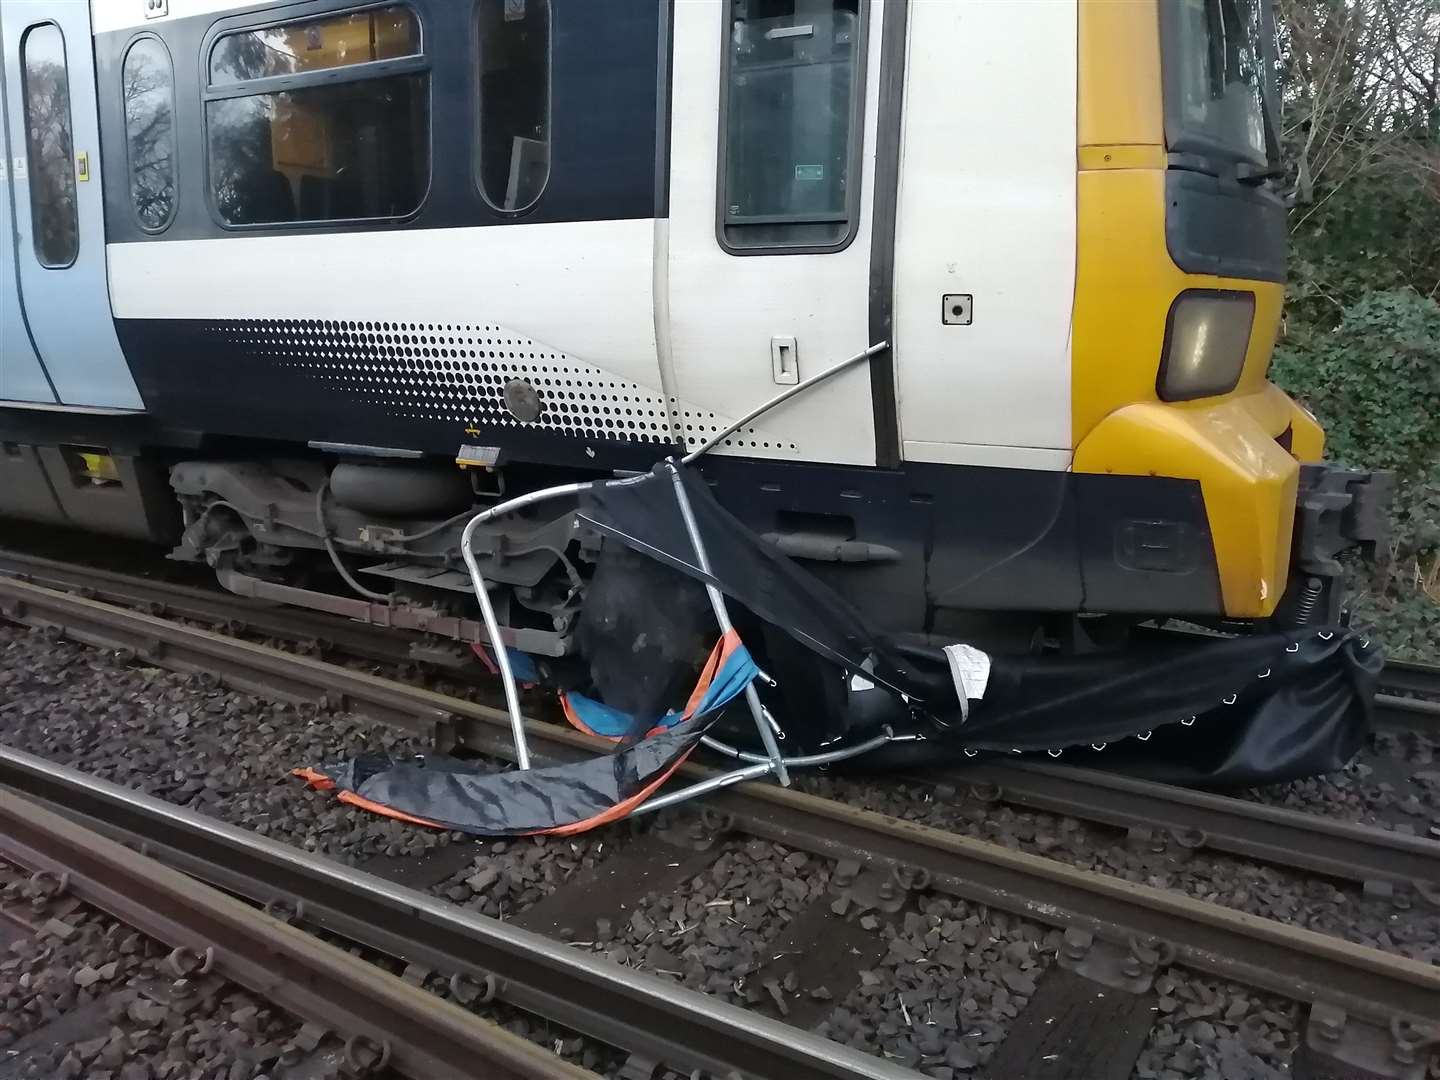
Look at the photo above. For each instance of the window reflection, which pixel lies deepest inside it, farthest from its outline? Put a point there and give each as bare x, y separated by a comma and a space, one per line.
320, 150
790, 123
356, 150
149, 89
514, 101
357, 37
48, 145
1219, 68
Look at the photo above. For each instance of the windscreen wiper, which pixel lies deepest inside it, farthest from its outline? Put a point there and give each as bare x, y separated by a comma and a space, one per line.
1255, 175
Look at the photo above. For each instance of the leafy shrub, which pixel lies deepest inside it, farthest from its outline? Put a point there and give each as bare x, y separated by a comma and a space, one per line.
1373, 381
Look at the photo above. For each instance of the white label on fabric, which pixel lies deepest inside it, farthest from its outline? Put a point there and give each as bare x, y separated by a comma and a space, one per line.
970, 668
859, 682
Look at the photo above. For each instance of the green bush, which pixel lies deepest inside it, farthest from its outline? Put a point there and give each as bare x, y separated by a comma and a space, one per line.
1373, 381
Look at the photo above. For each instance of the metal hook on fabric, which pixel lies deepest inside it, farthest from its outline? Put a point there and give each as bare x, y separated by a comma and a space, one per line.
1098, 745
1145, 736
1054, 753
1187, 723
1231, 699
1264, 674
1293, 647
774, 724
1325, 635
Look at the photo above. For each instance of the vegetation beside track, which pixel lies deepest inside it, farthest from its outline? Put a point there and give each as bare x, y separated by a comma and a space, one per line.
1361, 347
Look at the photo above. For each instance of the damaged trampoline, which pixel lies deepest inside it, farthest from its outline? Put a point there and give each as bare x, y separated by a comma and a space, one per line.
1231, 711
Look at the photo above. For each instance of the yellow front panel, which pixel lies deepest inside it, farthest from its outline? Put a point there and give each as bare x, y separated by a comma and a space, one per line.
1120, 73
1125, 284
1247, 480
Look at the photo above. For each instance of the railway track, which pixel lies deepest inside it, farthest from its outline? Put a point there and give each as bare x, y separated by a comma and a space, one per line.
380, 1018
85, 824
1137, 928
323, 633
1154, 813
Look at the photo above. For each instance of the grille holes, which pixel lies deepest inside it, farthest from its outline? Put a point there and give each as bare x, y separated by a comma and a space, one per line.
457, 372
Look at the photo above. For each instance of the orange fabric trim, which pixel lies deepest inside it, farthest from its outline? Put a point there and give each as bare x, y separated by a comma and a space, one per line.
702, 684
575, 721
619, 810
387, 811
318, 780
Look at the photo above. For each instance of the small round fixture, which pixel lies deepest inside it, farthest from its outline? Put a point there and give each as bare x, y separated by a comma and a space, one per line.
522, 401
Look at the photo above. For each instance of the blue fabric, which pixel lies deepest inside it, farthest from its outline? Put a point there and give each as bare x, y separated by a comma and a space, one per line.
599, 717
732, 678
522, 666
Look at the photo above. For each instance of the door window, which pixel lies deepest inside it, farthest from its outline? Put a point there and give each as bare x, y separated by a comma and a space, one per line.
514, 41
292, 139
790, 142
45, 88
148, 86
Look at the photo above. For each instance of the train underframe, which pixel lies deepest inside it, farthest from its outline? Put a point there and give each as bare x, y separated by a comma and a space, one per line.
1021, 561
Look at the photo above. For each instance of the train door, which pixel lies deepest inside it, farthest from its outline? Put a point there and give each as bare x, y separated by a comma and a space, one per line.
985, 234
53, 138
769, 223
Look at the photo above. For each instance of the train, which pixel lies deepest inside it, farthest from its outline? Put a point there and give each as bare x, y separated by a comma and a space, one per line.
294, 290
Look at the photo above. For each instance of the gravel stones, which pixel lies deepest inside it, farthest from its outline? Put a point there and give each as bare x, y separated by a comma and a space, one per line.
127, 1018
950, 980
1210, 1030
954, 976
229, 755
179, 738
711, 934
1389, 922
1393, 784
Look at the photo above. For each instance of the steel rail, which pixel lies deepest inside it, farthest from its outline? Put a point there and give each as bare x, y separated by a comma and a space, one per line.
234, 612
380, 1015
617, 1005
1408, 677
1299, 964
1269, 834
216, 608
1400, 714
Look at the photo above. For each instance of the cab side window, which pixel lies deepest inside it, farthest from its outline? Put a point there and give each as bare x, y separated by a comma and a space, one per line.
791, 130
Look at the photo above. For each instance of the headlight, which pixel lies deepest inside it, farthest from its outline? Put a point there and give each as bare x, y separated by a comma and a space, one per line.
1206, 337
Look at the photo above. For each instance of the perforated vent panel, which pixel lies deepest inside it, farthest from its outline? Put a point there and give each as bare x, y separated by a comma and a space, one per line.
458, 372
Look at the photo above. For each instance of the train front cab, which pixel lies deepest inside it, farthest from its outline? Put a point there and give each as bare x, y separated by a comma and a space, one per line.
1181, 255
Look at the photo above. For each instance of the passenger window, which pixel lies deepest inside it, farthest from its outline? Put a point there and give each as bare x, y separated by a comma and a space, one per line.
355, 37
791, 133
45, 89
288, 142
148, 86
514, 41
